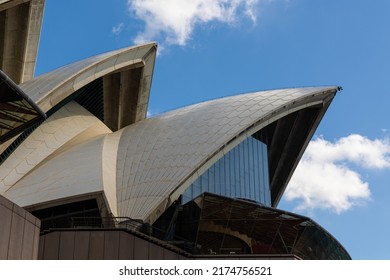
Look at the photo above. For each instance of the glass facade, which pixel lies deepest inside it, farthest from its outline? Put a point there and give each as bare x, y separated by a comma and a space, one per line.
241, 173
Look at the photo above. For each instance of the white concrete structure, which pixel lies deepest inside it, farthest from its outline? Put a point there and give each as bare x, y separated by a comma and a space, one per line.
139, 170
77, 151
121, 80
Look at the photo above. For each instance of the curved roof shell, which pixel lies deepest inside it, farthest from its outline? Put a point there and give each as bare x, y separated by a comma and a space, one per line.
121, 78
149, 164
52, 88
30, 174
160, 157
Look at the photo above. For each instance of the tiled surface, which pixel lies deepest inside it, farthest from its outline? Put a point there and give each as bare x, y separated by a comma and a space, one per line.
159, 157
66, 125
53, 163
76, 172
49, 89
142, 168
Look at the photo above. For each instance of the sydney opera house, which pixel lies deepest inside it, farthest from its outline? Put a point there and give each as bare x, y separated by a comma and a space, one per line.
84, 174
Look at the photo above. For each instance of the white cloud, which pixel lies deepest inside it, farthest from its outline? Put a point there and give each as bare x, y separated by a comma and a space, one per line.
325, 177
116, 30
174, 21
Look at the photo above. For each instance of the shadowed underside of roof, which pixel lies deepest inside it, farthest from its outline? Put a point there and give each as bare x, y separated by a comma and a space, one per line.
17, 111
114, 86
125, 76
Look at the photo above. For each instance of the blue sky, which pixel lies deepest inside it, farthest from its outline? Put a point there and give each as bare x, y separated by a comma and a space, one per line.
214, 48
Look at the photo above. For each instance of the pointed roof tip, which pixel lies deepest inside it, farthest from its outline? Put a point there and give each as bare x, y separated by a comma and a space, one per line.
145, 44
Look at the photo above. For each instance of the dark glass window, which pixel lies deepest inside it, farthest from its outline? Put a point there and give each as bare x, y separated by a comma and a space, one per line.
241, 173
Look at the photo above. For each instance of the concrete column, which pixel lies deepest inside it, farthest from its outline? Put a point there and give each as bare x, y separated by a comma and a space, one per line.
121, 97
20, 27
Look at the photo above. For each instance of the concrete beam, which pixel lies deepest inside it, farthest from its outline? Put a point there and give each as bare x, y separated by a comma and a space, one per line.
19, 37
121, 92
7, 4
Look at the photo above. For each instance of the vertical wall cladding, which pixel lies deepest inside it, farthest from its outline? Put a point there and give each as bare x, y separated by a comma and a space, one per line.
19, 234
101, 244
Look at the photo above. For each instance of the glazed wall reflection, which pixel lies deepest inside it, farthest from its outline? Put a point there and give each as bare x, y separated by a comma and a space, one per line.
241, 173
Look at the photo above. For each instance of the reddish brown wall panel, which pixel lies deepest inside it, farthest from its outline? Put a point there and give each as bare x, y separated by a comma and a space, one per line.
5, 233
81, 246
51, 246
19, 232
126, 246
28, 240
169, 255
96, 245
109, 245
155, 252
141, 249
16, 238
67, 240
